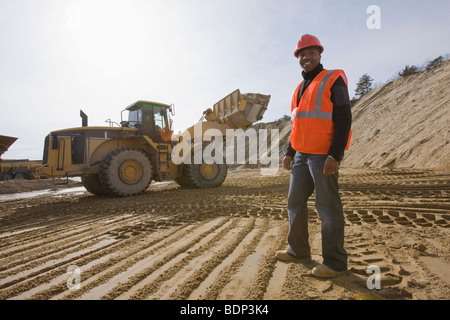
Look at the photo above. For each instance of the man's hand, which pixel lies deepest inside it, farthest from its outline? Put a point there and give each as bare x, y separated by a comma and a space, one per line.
287, 163
331, 166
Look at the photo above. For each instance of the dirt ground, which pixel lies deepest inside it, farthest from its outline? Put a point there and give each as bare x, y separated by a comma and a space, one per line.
219, 244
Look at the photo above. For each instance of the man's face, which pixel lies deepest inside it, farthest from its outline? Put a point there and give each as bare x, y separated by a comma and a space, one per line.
309, 59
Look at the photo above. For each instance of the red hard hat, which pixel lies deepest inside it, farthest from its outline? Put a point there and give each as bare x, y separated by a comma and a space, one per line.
306, 41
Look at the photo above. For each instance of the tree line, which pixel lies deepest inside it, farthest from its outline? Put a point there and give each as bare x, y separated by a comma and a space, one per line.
365, 82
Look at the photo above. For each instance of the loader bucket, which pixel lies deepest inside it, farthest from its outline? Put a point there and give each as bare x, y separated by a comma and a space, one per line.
239, 111
5, 143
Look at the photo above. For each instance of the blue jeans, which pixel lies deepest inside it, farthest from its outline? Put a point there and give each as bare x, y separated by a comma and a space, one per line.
307, 177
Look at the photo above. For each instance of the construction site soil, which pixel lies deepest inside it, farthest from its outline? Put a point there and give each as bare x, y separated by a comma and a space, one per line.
171, 243
219, 243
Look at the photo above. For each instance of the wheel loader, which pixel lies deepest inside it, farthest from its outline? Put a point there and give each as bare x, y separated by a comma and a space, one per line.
122, 160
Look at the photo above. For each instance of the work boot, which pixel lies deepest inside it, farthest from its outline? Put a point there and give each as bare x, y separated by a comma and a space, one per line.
322, 271
283, 255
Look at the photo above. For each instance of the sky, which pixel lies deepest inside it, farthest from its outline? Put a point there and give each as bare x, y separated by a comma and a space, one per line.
58, 57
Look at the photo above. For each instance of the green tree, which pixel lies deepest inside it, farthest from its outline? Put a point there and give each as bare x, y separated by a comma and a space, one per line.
408, 70
364, 85
435, 62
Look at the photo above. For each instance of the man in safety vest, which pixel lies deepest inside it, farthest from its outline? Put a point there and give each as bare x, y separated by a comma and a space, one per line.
321, 131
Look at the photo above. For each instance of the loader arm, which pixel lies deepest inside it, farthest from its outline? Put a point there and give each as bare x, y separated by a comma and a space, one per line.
235, 111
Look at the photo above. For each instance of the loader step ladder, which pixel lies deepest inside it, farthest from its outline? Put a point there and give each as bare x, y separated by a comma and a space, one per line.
164, 158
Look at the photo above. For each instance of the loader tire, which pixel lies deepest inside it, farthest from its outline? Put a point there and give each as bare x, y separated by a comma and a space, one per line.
8, 176
203, 175
93, 185
125, 172
184, 180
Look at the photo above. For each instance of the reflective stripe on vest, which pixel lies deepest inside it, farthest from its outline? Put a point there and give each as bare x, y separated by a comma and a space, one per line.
317, 112
312, 114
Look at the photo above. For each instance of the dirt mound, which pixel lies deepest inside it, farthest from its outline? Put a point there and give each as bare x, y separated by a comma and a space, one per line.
23, 185
404, 123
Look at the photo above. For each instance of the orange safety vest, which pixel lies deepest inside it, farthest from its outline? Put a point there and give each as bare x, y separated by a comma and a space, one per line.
312, 124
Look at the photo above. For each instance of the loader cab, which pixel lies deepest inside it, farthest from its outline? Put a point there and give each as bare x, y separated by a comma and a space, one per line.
150, 118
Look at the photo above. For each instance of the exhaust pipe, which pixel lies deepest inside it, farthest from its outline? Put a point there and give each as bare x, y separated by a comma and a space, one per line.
84, 119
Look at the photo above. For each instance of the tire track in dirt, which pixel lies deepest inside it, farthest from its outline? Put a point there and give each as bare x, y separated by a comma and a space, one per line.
219, 274
110, 254
204, 262
175, 243
120, 260
232, 270
401, 197
65, 256
47, 246
172, 262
